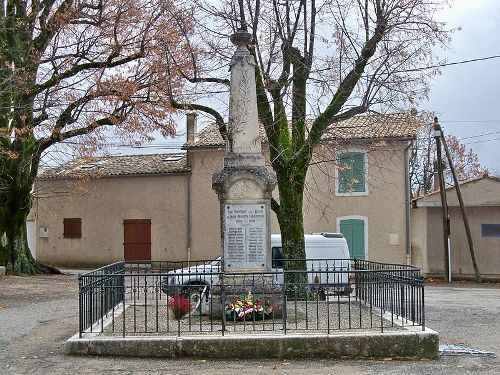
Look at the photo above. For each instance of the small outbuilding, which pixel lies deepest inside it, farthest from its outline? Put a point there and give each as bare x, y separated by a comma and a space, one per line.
482, 201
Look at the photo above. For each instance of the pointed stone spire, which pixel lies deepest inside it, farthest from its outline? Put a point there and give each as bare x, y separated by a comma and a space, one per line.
243, 127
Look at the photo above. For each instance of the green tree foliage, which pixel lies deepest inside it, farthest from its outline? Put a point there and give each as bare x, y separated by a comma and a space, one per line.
75, 70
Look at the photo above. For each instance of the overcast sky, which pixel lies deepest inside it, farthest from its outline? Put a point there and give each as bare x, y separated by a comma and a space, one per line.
466, 97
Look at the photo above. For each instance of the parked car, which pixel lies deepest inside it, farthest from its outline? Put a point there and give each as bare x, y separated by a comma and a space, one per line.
327, 259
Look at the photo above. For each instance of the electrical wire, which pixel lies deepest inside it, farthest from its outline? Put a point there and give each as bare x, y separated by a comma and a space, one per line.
447, 64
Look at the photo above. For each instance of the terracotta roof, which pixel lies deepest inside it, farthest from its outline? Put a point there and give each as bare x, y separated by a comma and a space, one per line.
119, 166
371, 127
362, 127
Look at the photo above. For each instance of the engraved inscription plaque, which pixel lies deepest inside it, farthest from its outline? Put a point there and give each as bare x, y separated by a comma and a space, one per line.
245, 236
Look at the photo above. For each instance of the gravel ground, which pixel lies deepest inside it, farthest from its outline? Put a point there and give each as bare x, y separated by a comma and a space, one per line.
312, 317
38, 314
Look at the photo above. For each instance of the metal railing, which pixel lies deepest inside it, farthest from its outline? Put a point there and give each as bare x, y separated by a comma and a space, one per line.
395, 289
100, 292
189, 298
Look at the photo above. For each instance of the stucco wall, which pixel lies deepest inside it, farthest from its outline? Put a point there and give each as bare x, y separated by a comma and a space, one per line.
482, 201
205, 231
419, 239
487, 249
482, 192
103, 204
384, 206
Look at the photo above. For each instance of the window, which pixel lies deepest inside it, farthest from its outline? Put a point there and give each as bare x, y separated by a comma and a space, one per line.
490, 230
351, 173
72, 228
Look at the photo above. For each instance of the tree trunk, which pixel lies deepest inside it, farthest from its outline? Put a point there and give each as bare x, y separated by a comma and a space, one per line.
19, 258
13, 234
291, 222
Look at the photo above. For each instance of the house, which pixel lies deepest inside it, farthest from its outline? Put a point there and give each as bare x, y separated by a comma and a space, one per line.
482, 201
163, 206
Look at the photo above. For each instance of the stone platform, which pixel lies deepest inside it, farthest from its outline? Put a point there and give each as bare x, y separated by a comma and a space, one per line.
410, 342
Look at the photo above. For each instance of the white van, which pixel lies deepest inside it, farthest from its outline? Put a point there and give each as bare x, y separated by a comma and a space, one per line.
327, 257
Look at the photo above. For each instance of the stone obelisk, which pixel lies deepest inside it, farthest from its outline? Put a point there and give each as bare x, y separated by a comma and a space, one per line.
245, 185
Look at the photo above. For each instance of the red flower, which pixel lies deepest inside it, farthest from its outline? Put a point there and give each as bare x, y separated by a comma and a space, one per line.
180, 306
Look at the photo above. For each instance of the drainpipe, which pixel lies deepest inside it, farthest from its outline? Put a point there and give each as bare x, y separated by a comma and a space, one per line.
192, 131
407, 204
189, 217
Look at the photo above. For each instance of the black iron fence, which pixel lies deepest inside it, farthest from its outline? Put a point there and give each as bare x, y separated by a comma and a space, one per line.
187, 298
100, 292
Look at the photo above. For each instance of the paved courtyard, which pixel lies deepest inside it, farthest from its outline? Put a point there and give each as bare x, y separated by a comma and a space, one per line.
38, 314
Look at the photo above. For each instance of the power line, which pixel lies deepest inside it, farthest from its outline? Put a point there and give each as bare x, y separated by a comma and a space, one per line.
447, 64
483, 141
479, 135
469, 121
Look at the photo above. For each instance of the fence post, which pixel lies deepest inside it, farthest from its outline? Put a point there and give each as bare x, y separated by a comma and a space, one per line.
80, 306
403, 313
423, 306
223, 302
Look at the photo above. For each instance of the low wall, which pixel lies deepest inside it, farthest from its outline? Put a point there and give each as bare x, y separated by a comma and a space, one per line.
409, 343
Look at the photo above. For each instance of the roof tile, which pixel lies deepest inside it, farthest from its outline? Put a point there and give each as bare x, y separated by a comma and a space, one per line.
119, 166
362, 127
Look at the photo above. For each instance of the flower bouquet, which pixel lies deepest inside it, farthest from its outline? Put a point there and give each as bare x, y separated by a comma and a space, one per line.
180, 306
248, 308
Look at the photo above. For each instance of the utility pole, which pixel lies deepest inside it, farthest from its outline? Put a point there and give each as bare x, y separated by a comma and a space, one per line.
444, 204
462, 209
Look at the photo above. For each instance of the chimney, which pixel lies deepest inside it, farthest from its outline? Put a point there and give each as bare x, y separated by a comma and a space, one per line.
192, 128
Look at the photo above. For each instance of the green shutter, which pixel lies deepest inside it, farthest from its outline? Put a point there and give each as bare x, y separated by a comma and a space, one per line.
354, 233
358, 172
351, 172
345, 173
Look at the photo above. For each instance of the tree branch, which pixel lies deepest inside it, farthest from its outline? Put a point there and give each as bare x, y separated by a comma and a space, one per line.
109, 63
118, 117
219, 120
50, 27
345, 89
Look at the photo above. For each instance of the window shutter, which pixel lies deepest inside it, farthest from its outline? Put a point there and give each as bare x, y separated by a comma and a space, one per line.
345, 173
358, 172
351, 172
72, 227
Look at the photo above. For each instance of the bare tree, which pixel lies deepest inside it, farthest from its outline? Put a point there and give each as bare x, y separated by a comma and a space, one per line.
76, 70
325, 60
423, 163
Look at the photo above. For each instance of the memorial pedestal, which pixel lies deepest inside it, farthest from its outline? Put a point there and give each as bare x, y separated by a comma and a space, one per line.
244, 194
244, 187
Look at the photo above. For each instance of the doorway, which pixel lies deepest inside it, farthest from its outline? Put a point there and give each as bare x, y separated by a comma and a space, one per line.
354, 231
137, 239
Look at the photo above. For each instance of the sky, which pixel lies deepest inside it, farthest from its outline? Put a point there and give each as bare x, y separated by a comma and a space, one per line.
466, 97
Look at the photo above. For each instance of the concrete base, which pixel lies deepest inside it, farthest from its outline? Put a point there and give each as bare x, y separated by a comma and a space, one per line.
2, 270
409, 343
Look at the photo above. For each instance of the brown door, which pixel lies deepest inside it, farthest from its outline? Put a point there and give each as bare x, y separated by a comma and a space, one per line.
137, 239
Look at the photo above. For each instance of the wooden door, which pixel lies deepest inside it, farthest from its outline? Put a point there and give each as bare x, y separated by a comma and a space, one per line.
137, 239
